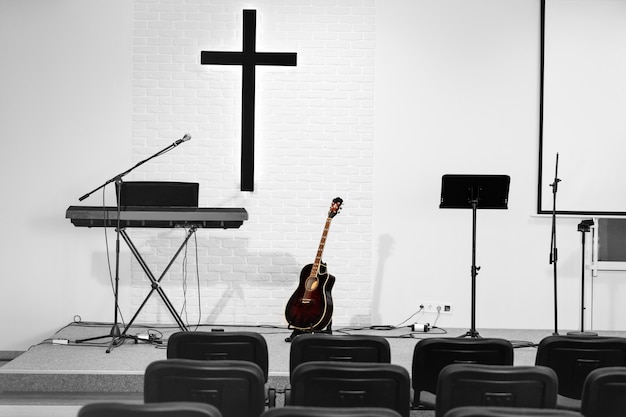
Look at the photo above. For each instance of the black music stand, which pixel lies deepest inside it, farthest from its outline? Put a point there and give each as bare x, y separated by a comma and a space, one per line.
474, 192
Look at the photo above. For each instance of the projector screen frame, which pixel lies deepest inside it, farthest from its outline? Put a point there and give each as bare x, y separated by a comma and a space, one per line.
542, 182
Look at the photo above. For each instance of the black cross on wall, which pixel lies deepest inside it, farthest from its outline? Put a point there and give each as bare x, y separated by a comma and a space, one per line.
248, 59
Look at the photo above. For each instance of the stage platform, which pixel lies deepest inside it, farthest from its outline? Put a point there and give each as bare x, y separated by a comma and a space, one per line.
54, 378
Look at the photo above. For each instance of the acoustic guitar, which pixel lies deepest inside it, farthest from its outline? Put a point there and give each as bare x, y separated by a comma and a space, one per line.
310, 308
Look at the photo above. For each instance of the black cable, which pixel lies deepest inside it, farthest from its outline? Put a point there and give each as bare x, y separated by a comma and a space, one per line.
183, 310
184, 274
106, 244
421, 309
195, 239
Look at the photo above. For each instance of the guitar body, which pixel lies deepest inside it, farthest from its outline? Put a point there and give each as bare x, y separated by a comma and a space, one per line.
310, 308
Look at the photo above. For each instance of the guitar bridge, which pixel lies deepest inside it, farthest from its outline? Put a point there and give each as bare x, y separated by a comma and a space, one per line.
306, 300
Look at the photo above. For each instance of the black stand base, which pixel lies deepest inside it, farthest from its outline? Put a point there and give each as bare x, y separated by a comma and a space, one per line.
582, 333
471, 333
297, 332
116, 338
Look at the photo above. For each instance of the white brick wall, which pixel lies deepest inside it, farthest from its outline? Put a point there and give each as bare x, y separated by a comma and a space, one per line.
314, 141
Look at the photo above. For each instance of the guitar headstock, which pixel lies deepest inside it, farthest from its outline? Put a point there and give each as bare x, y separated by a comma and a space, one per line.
335, 207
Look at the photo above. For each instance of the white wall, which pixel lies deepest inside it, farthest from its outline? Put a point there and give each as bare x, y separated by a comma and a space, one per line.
456, 91
66, 128
314, 139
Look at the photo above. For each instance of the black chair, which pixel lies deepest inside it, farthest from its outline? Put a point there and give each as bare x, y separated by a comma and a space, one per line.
479, 411
173, 409
431, 355
342, 348
574, 357
495, 385
293, 411
244, 346
350, 384
604, 392
236, 388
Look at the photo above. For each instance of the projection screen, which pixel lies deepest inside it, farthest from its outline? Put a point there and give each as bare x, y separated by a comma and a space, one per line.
583, 107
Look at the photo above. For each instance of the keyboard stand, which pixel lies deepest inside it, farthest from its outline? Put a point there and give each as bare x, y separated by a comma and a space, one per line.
156, 283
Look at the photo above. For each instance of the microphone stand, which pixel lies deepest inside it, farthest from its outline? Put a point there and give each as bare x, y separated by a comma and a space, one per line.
115, 333
583, 227
553, 249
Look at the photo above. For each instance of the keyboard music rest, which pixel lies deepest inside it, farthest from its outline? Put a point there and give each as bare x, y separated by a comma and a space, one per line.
157, 217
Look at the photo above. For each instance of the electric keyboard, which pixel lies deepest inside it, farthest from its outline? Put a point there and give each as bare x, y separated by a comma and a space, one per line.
157, 217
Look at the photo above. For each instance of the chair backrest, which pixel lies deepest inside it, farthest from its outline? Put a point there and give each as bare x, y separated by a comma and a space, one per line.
495, 385
294, 411
573, 357
431, 355
172, 409
244, 346
344, 348
604, 392
236, 388
480, 411
351, 384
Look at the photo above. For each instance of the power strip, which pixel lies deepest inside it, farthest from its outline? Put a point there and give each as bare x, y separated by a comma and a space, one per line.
151, 338
421, 327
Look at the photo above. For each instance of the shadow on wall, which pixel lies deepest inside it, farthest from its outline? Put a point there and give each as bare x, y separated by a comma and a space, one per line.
217, 280
385, 250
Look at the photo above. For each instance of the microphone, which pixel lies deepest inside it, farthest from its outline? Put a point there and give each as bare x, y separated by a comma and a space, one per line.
183, 139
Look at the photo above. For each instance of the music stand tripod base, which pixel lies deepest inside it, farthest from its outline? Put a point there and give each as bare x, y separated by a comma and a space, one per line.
474, 192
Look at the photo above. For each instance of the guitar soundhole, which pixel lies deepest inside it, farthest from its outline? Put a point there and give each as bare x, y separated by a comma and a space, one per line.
311, 284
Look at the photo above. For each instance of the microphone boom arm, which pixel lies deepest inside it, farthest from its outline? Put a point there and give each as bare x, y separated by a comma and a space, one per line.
119, 176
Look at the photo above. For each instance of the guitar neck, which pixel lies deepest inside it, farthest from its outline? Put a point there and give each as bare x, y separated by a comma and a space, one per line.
320, 249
